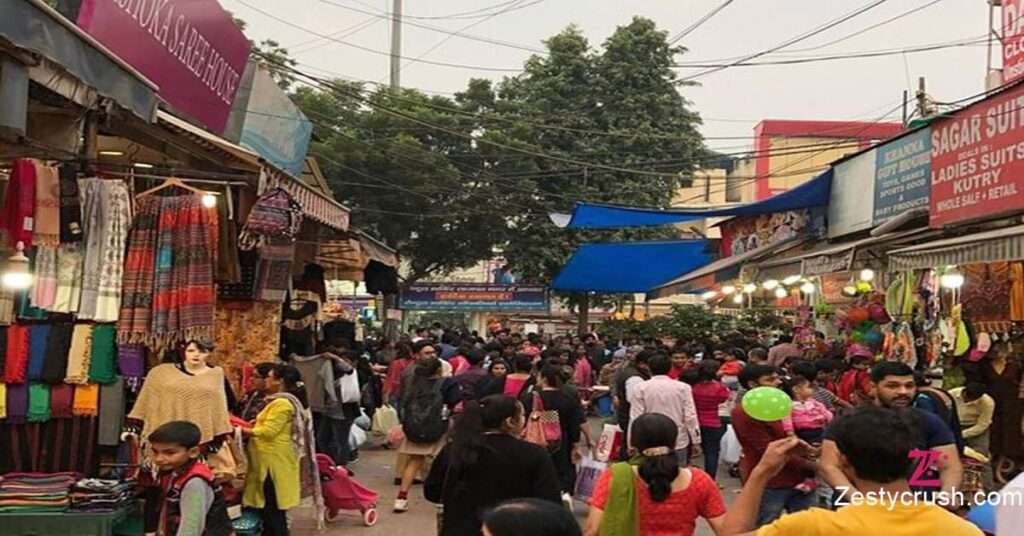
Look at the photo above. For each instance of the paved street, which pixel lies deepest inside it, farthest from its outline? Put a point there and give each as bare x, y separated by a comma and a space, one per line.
375, 469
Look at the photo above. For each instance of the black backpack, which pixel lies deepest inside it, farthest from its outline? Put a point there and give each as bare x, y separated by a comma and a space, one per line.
424, 415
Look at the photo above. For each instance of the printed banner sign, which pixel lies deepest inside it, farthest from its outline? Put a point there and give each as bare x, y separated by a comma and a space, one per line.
191, 49
474, 297
826, 264
978, 160
1013, 40
902, 175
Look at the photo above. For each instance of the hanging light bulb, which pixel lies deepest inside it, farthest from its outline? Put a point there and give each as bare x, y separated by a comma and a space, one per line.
781, 293
749, 288
770, 284
867, 274
807, 288
209, 200
738, 299
728, 289
17, 276
790, 280
708, 295
952, 279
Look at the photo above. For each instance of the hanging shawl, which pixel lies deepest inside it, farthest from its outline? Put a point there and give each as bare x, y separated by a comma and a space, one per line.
20, 203
78, 355
3, 401
101, 355
39, 339
44, 287
16, 366
70, 205
131, 361
3, 351
276, 215
305, 446
38, 402
69, 279
17, 403
137, 302
87, 401
106, 213
55, 363
46, 221
62, 400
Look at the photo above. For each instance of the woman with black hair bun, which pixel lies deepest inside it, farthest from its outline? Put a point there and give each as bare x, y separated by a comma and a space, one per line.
530, 517
486, 463
651, 494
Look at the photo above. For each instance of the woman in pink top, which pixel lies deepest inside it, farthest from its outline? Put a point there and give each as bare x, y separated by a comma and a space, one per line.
708, 395
522, 364
655, 497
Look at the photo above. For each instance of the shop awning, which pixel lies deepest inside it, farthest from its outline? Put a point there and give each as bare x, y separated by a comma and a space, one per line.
209, 141
813, 193
1006, 244
629, 267
315, 204
831, 257
33, 26
719, 271
350, 253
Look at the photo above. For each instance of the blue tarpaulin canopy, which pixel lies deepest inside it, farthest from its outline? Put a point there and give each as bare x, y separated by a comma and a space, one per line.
630, 267
813, 193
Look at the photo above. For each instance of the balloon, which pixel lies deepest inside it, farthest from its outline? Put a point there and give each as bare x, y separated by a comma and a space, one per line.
878, 314
857, 337
864, 287
857, 315
873, 338
767, 404
983, 516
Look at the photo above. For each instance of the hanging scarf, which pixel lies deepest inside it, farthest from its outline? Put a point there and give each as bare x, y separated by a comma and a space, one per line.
44, 286
305, 447
111, 419
101, 355
39, 339
20, 203
3, 401
274, 275
69, 279
46, 224
70, 205
620, 512
62, 400
131, 360
87, 400
6, 306
3, 351
38, 402
228, 265
55, 364
136, 305
106, 214
78, 355
17, 403
17, 354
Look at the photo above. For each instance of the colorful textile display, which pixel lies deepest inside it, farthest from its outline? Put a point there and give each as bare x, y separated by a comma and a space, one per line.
57, 445
62, 401
106, 217
3, 351
111, 419
95, 495
39, 338
245, 288
44, 284
36, 492
131, 360
16, 365
87, 400
17, 403
275, 216
985, 293
38, 402
46, 219
55, 362
3, 401
6, 306
169, 283
228, 269
69, 278
274, 274
20, 203
246, 331
78, 354
170, 394
70, 205
101, 355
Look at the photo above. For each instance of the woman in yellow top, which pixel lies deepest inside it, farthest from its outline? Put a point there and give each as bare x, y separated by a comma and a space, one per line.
272, 482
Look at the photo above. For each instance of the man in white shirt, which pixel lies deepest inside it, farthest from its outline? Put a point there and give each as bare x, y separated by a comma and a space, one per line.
672, 398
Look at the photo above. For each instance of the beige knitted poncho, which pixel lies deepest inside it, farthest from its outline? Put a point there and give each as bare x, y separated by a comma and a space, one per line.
168, 394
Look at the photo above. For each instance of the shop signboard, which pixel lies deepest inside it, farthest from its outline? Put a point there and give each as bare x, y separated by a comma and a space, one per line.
474, 297
902, 175
191, 49
852, 197
826, 264
978, 160
1013, 40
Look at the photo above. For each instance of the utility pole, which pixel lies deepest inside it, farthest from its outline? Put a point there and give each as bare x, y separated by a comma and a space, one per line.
906, 96
923, 109
396, 43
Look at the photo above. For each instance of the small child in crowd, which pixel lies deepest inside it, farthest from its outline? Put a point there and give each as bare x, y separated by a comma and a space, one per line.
191, 503
729, 372
807, 420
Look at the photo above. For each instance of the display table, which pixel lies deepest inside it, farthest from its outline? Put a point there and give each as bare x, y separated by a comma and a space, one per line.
66, 523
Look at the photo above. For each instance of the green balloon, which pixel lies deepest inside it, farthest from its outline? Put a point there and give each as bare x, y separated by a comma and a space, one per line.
767, 404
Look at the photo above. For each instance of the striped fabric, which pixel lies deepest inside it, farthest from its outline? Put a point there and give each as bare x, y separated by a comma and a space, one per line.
314, 204
1005, 244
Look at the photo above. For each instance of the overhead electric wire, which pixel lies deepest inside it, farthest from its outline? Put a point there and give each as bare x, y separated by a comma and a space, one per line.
866, 29
319, 42
818, 59
471, 14
793, 41
689, 29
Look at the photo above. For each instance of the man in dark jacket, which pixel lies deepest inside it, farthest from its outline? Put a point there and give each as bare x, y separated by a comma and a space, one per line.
633, 373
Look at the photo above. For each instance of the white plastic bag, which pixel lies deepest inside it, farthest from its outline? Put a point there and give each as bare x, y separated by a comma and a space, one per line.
348, 387
384, 419
609, 443
731, 449
356, 437
586, 477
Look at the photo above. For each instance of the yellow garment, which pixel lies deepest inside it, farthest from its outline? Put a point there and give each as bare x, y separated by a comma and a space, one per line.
858, 520
87, 400
271, 451
976, 416
1016, 291
3, 401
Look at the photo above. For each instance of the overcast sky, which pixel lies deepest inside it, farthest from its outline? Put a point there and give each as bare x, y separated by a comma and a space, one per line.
730, 101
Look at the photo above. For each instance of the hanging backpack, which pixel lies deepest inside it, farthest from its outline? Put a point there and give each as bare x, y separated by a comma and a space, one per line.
275, 215
543, 427
425, 415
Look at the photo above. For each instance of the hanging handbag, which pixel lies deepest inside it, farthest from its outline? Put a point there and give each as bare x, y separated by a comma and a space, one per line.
543, 427
276, 214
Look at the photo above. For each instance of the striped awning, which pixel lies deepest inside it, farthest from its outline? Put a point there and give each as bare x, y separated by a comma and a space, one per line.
315, 204
1006, 244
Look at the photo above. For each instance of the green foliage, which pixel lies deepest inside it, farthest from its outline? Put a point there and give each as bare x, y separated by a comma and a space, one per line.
692, 323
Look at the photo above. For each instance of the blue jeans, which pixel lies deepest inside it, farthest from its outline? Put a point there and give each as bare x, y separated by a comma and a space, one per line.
711, 444
776, 500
